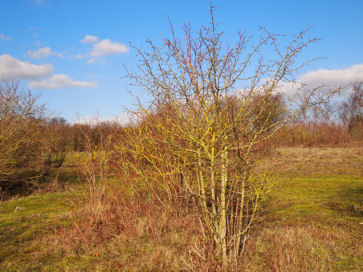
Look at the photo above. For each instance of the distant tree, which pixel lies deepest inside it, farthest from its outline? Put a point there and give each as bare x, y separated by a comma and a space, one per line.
57, 121
350, 111
27, 142
20, 120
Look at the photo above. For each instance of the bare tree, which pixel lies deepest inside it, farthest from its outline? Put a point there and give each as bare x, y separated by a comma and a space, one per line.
212, 106
350, 111
17, 136
29, 146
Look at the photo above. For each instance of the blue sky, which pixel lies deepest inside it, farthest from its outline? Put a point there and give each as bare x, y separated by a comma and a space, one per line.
72, 52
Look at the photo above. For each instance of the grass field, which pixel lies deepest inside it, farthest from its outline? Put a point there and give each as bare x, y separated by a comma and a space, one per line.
312, 221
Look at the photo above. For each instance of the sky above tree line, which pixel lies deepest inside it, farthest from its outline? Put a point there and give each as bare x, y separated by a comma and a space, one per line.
73, 53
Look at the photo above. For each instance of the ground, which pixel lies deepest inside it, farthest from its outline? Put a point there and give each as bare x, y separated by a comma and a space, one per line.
312, 220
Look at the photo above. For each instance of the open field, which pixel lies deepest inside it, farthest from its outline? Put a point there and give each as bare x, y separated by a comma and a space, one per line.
311, 222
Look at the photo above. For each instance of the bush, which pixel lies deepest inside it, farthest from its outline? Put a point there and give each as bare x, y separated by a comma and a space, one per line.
210, 117
29, 145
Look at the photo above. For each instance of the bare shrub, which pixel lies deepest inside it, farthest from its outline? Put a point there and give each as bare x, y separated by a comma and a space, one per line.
190, 155
212, 110
29, 146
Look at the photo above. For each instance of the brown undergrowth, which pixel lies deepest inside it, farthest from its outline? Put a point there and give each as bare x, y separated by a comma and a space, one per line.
137, 231
125, 223
130, 226
315, 134
304, 247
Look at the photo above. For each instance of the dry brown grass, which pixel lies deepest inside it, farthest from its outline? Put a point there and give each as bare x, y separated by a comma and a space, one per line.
301, 161
301, 229
311, 223
130, 232
306, 247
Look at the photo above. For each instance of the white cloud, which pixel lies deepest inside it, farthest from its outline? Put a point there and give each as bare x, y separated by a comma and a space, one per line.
289, 88
122, 119
59, 81
44, 52
4, 37
333, 77
12, 68
107, 47
326, 79
101, 48
89, 39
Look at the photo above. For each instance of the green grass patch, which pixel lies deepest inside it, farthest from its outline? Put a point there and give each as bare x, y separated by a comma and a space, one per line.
328, 196
312, 220
25, 224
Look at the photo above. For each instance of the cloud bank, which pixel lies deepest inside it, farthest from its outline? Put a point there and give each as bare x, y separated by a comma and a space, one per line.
326, 79
59, 81
123, 119
14, 69
40, 75
333, 77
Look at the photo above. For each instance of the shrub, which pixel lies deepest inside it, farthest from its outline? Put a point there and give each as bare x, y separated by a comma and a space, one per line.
207, 125
29, 146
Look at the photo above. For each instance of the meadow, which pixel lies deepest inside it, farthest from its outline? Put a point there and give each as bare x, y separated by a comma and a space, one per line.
312, 221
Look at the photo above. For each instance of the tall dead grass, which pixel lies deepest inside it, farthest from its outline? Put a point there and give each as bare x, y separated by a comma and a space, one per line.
304, 247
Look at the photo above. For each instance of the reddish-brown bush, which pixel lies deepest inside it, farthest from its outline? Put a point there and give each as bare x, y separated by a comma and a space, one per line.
312, 134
